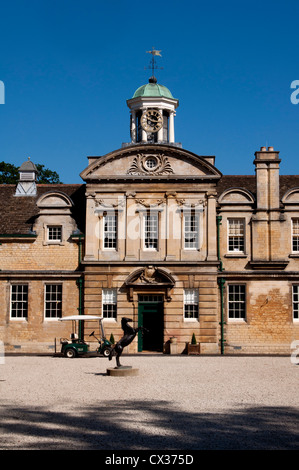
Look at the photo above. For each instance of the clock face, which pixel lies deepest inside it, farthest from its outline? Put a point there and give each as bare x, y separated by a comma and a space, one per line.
151, 120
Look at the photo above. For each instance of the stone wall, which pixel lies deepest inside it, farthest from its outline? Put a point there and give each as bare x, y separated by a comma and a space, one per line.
36, 334
269, 327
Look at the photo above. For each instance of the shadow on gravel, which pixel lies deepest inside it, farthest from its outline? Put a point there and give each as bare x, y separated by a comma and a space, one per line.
124, 425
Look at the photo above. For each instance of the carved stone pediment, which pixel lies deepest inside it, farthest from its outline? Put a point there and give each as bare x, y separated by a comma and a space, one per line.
150, 276
150, 165
150, 161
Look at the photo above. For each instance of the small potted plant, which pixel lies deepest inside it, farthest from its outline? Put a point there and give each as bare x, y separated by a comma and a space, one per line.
194, 346
111, 338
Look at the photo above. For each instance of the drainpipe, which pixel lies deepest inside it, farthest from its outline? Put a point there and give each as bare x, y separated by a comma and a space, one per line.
221, 282
80, 249
218, 222
80, 308
80, 287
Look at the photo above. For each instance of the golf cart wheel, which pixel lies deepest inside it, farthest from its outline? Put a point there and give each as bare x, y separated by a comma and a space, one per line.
70, 353
106, 352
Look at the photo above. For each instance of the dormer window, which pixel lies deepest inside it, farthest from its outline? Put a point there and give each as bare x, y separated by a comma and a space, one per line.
55, 218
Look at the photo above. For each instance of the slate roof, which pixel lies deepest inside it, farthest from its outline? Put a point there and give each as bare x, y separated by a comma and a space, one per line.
237, 181
17, 214
248, 182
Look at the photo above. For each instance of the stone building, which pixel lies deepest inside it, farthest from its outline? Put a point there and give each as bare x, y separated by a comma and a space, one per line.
155, 233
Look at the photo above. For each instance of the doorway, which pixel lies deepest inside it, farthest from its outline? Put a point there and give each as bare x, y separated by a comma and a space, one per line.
150, 316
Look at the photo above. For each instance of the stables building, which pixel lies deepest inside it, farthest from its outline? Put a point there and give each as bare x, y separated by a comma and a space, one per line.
158, 234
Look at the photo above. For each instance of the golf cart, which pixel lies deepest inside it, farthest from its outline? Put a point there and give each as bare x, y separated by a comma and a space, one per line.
76, 346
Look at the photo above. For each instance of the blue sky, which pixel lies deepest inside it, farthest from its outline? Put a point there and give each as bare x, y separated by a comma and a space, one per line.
69, 66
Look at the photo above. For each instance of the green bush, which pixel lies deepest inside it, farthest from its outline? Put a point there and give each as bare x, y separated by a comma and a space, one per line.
193, 340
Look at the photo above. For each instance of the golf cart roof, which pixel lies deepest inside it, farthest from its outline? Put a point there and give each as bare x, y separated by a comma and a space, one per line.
81, 317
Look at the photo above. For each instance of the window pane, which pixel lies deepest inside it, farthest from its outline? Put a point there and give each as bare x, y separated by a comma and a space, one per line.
236, 301
151, 231
110, 231
53, 300
236, 235
191, 231
54, 233
295, 302
150, 298
109, 303
19, 301
295, 234
190, 303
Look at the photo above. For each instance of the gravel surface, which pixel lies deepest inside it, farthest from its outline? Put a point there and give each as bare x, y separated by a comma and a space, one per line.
176, 403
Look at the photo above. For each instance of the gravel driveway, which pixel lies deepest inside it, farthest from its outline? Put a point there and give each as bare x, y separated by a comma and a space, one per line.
176, 403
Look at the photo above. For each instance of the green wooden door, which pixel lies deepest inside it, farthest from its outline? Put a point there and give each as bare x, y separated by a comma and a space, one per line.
150, 316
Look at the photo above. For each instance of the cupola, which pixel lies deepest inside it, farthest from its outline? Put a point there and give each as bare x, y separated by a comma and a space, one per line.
27, 180
152, 114
152, 109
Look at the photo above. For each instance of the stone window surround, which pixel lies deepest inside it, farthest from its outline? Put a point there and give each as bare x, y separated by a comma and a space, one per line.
101, 212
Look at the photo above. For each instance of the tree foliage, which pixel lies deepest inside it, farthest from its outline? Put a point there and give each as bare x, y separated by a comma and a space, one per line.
9, 174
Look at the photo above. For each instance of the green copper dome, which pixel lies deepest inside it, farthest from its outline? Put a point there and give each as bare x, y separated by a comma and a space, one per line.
152, 89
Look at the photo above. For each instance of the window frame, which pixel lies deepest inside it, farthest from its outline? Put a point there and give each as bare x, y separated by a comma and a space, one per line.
195, 215
23, 317
51, 284
195, 304
295, 320
294, 219
236, 236
243, 302
54, 241
114, 215
113, 303
146, 216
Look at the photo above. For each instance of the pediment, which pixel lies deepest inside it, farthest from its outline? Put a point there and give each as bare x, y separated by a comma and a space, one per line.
148, 162
236, 196
291, 196
54, 201
150, 276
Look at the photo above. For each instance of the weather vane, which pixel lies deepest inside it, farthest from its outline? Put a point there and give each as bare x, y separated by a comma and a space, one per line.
153, 64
